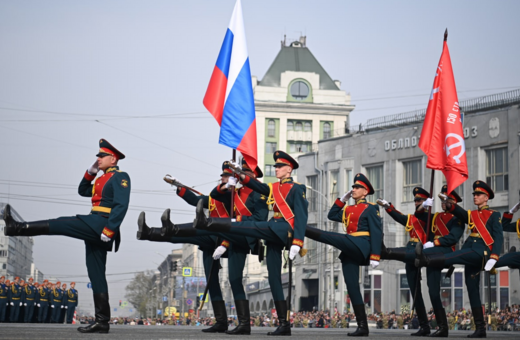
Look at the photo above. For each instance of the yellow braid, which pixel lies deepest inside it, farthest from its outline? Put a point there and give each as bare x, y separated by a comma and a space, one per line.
270, 198
434, 227
211, 204
408, 226
346, 221
518, 227
471, 225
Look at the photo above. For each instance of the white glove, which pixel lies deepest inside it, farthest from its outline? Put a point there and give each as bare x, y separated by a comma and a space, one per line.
21, 304
93, 169
293, 251
12, 303
66, 307
428, 244
232, 181
38, 305
24, 304
62, 307
219, 252
374, 264
52, 306
383, 203
490, 264
105, 238
346, 197
515, 208
428, 203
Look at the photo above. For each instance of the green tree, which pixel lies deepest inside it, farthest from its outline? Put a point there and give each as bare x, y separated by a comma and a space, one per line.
138, 291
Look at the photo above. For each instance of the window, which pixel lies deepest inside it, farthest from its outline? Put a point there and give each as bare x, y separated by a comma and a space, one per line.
290, 126
404, 294
312, 181
333, 185
326, 131
296, 147
299, 90
3, 253
298, 126
375, 176
307, 127
269, 171
412, 177
271, 128
270, 147
497, 169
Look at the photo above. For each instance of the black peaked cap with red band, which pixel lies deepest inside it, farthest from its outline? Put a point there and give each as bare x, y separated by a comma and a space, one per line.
258, 173
282, 158
361, 181
419, 192
453, 195
107, 149
226, 170
481, 187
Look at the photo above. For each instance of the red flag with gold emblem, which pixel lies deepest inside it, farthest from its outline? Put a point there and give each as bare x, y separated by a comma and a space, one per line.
442, 137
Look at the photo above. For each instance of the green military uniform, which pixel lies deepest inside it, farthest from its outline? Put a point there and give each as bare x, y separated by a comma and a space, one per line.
360, 243
110, 194
16, 301
286, 228
416, 225
3, 300
511, 259
44, 296
56, 304
484, 242
71, 303
29, 302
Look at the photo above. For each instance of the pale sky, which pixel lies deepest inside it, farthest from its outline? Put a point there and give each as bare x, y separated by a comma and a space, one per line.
135, 73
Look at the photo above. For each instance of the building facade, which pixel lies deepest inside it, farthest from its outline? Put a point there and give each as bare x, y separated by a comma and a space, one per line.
387, 151
16, 253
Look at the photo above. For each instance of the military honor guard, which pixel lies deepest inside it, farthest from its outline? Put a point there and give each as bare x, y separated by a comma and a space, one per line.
285, 230
3, 298
16, 299
360, 243
56, 302
184, 233
480, 251
100, 230
29, 300
415, 225
44, 296
511, 259
71, 301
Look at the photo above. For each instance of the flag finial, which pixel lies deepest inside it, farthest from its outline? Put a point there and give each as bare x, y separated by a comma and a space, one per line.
446, 35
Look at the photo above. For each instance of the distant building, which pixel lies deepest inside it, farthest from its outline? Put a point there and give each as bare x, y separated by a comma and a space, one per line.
16, 253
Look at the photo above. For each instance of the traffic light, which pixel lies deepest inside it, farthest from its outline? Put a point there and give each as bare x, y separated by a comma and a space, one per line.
198, 302
173, 266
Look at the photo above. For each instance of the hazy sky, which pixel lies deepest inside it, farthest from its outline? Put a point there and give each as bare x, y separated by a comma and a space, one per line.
135, 73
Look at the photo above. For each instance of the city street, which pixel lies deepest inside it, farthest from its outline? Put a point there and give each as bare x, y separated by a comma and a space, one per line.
36, 331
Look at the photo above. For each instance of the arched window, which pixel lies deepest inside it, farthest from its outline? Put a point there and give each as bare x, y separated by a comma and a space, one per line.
307, 126
299, 90
290, 126
298, 126
271, 128
326, 130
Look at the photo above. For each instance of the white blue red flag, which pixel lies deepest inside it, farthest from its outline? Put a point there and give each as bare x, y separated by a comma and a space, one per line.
229, 97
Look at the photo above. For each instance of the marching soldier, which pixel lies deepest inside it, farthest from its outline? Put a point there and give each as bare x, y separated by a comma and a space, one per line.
360, 243
3, 298
29, 303
447, 230
16, 299
57, 298
511, 259
8, 309
480, 251
43, 297
285, 229
36, 309
416, 225
184, 233
110, 195
72, 301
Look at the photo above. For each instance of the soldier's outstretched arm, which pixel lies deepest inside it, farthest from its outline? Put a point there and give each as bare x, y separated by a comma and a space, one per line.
257, 186
456, 228
191, 198
336, 211
459, 212
396, 215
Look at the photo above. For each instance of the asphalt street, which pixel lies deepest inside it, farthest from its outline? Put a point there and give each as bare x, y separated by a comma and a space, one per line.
50, 331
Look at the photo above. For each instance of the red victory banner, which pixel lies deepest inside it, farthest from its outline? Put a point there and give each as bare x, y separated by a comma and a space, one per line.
442, 137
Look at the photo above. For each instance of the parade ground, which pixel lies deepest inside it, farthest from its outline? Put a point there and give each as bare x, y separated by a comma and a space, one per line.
49, 331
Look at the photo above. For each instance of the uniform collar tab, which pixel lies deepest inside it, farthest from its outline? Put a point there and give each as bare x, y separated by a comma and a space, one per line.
486, 207
112, 169
287, 180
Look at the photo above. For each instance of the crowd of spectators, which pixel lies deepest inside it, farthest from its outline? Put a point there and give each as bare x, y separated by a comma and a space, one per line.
506, 319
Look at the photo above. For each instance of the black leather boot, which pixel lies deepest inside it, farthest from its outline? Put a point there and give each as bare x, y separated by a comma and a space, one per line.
361, 319
15, 228
398, 254
244, 318
221, 325
424, 326
102, 310
480, 323
432, 260
168, 228
217, 224
284, 326
442, 322
144, 232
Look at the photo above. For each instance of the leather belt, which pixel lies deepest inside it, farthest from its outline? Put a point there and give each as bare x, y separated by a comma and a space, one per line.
475, 235
360, 233
414, 239
437, 237
102, 209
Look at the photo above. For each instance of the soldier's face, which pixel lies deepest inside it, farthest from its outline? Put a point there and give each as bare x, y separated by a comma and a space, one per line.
283, 171
106, 162
359, 193
72, 285
480, 199
449, 200
64, 286
224, 179
418, 201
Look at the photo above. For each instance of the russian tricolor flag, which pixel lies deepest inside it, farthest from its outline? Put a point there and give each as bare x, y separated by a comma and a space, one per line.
229, 97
